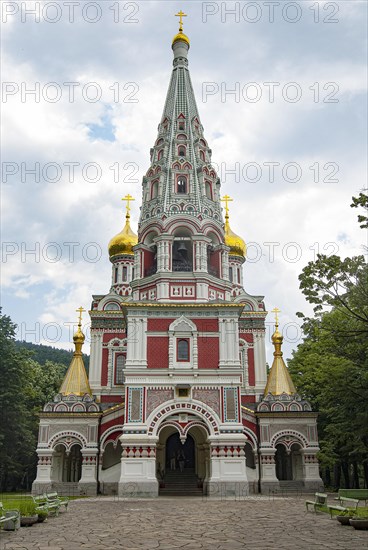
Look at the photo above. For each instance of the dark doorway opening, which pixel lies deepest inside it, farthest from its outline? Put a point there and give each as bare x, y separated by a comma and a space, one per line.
174, 447
284, 470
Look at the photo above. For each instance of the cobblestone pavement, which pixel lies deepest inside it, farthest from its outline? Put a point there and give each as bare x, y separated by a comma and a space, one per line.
187, 523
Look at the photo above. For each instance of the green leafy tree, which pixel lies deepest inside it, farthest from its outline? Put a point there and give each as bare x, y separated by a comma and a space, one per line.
330, 367
25, 387
361, 201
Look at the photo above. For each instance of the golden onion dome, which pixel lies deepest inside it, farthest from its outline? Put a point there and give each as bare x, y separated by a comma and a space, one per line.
124, 241
79, 337
277, 337
181, 36
233, 241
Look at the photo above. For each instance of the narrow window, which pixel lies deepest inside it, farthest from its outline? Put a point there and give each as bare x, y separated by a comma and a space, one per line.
181, 151
231, 274
182, 184
202, 155
115, 275
119, 369
183, 350
160, 154
208, 190
125, 273
154, 190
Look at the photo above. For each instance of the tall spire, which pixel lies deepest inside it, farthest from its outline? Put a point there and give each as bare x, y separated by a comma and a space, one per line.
279, 380
76, 380
181, 179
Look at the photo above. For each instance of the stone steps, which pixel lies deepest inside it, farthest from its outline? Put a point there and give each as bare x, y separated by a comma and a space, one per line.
181, 484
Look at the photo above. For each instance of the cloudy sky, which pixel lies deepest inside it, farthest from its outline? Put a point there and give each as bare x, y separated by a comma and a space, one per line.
281, 89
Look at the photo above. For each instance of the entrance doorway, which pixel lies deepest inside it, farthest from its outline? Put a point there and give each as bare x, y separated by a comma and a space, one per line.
175, 448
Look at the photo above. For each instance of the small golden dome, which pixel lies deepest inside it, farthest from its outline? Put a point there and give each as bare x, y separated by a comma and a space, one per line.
237, 244
181, 36
277, 337
124, 241
79, 337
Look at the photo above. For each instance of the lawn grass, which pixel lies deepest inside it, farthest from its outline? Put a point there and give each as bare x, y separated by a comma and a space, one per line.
11, 499
361, 511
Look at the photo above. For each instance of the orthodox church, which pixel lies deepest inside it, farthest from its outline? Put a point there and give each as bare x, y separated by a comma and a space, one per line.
177, 399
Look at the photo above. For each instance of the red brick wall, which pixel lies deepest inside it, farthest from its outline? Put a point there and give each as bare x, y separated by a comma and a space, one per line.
247, 337
159, 325
158, 352
104, 367
208, 353
111, 335
206, 325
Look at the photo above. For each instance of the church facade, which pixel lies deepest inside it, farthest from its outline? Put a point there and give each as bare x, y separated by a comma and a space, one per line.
178, 380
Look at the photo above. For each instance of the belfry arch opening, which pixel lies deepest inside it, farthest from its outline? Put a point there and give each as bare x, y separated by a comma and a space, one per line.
182, 257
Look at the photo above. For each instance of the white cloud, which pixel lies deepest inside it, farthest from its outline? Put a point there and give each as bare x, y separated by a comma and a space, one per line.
84, 211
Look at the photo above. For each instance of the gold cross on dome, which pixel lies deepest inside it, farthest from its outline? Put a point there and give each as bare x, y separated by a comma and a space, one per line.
226, 199
181, 14
128, 198
80, 310
276, 311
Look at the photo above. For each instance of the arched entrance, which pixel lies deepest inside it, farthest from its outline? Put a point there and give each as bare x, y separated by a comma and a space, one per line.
182, 459
67, 464
289, 465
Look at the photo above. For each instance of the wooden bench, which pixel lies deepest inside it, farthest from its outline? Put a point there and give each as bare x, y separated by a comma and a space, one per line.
9, 515
54, 497
43, 504
360, 494
320, 500
346, 505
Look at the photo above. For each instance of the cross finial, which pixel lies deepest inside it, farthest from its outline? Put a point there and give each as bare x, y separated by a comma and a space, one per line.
276, 311
80, 310
181, 14
128, 198
226, 199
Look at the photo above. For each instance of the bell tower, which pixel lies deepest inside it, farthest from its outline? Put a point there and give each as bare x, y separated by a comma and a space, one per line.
181, 252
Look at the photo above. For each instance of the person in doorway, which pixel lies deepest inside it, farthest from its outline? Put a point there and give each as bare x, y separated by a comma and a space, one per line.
181, 461
173, 461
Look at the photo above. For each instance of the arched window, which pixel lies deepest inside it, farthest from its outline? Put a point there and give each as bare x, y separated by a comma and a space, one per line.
182, 151
202, 155
112, 306
208, 190
160, 141
181, 125
154, 190
181, 136
160, 154
181, 186
202, 142
183, 349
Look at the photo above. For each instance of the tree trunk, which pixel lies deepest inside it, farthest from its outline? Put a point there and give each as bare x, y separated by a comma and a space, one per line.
355, 475
365, 470
345, 471
337, 475
328, 476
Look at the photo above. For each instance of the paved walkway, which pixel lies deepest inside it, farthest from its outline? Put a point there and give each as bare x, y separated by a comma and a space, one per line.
187, 523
